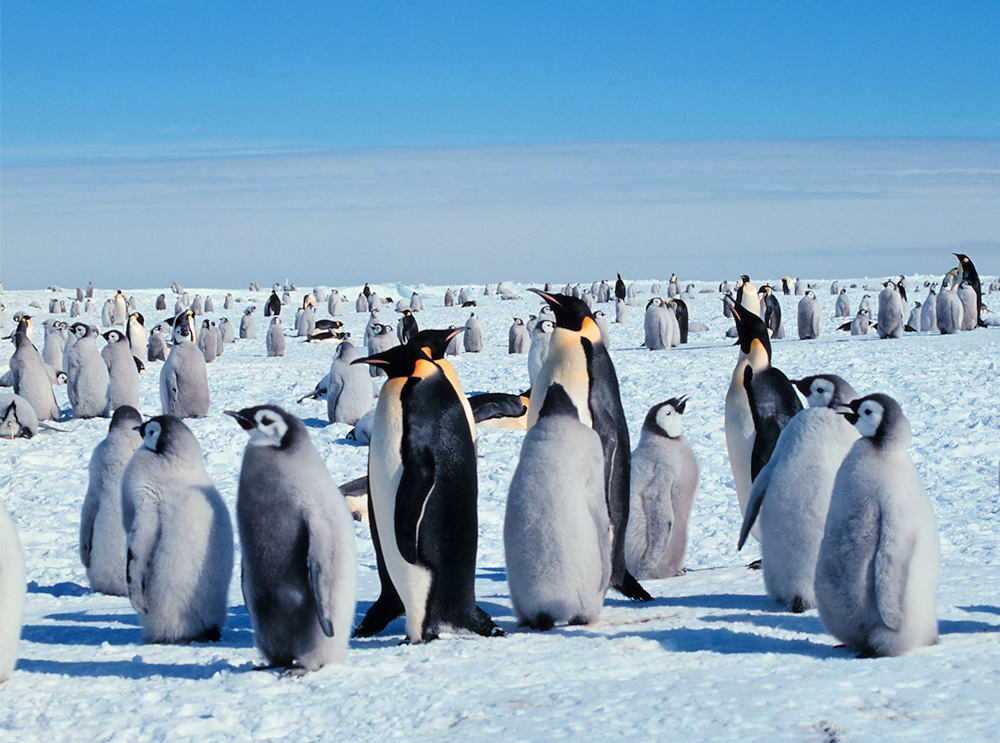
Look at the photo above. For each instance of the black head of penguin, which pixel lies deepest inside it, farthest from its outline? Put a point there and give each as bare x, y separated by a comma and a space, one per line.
751, 329
880, 419
434, 342
571, 314
836, 388
400, 361
125, 415
557, 402
651, 424
268, 425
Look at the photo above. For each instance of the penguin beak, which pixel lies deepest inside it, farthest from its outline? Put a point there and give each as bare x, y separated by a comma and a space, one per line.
547, 297
851, 412
245, 423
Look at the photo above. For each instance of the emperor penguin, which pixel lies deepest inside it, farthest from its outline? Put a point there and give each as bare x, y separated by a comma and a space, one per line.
87, 379
381, 339
120, 309
227, 303
197, 306
463, 296
299, 557
517, 337
949, 311
890, 312
207, 342
928, 311
423, 489
834, 288
184, 375
660, 329
860, 324
349, 393
773, 403
209, 305
673, 286
843, 306
455, 345
620, 289
968, 297
17, 417
541, 335
579, 362
679, 309
248, 327
971, 275
333, 304
800, 286
123, 375
746, 295
621, 311
108, 312
13, 589
102, 536
226, 332
275, 342
913, 321
135, 331
473, 337
602, 325
557, 542
407, 327
810, 318
416, 304
161, 302
755, 354
306, 323
273, 306
877, 575
74, 310
179, 556
772, 312
156, 348
664, 481
30, 380
865, 303
449, 298
55, 342
790, 496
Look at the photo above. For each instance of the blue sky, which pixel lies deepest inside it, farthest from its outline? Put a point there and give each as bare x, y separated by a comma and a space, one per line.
434, 114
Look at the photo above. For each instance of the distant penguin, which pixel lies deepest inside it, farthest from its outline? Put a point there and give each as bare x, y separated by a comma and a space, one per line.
791, 494
227, 303
74, 311
834, 288
87, 378
673, 286
950, 312
207, 343
843, 307
108, 313
273, 306
971, 276
800, 287
416, 304
407, 327
248, 327
680, 310
333, 304
30, 379
472, 339
123, 376
664, 481
135, 332
13, 589
517, 337
877, 575
455, 345
179, 558
55, 343
161, 302
809, 317
349, 394
968, 297
913, 322
275, 342
620, 290
449, 298
860, 324
184, 376
579, 362
621, 311
299, 561
120, 309
102, 536
928, 311
374, 302
209, 304
772, 312
197, 306
890, 312
422, 495
602, 325
156, 349
557, 541
660, 330
539, 349
226, 331
305, 325
463, 296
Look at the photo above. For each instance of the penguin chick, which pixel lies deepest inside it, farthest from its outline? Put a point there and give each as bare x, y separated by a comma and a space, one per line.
87, 379
349, 391
13, 588
123, 375
179, 557
102, 536
556, 531
877, 574
184, 375
664, 481
299, 558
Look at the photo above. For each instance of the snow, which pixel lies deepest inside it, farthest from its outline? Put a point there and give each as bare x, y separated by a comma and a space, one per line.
712, 658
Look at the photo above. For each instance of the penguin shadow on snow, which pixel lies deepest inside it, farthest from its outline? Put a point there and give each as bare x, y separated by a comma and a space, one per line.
60, 589
83, 628
135, 668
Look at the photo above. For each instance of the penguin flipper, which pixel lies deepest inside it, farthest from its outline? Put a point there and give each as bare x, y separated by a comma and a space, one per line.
142, 541
845, 326
892, 568
754, 501
322, 589
415, 487
496, 405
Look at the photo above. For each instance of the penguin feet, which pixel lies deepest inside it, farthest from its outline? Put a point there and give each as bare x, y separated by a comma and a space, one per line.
798, 605
630, 588
755, 565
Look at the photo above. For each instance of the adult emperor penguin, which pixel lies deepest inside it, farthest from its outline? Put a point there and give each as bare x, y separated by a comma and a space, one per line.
556, 532
809, 316
299, 557
248, 327
791, 494
679, 309
349, 392
407, 326
772, 312
120, 309
13, 588
971, 275
517, 337
664, 481
30, 380
578, 361
184, 375
179, 557
123, 376
877, 574
87, 379
273, 306
275, 341
102, 536
422, 489
890, 312
135, 331
620, 289
773, 403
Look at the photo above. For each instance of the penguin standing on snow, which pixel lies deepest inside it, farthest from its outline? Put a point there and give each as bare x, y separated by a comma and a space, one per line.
517, 337
660, 329
179, 557
620, 290
556, 539
30, 380
102, 536
791, 494
407, 326
87, 379
135, 332
422, 491
156, 348
248, 327
680, 309
664, 481
890, 312
971, 275
810, 317
843, 307
473, 337
184, 375
273, 306
349, 393
275, 341
123, 375
877, 575
299, 558
772, 312
579, 362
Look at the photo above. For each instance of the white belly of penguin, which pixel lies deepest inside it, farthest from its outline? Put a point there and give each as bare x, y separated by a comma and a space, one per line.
565, 365
412, 582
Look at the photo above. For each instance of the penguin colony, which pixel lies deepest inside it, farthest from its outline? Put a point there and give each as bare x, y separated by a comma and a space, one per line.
575, 526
